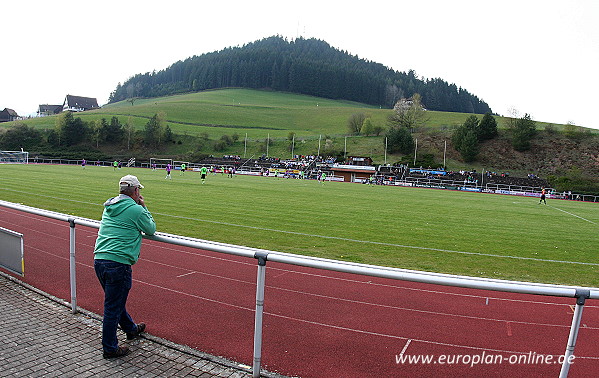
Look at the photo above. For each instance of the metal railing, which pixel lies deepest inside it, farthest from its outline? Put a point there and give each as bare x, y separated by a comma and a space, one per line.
581, 294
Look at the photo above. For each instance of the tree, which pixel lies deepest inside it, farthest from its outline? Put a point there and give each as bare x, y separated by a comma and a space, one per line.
97, 132
168, 134
469, 147
367, 127
152, 132
129, 131
355, 122
523, 130
161, 119
409, 117
471, 123
114, 130
487, 128
465, 139
20, 136
377, 130
69, 130
399, 139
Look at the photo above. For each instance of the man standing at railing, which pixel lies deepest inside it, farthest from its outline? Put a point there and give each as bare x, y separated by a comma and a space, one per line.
118, 244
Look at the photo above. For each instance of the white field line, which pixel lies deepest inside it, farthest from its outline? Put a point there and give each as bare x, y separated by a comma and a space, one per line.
574, 215
363, 241
252, 264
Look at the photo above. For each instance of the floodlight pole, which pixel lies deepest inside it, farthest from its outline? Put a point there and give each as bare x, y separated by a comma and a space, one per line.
245, 145
444, 154
385, 150
482, 179
415, 151
320, 136
292, 145
267, 143
345, 149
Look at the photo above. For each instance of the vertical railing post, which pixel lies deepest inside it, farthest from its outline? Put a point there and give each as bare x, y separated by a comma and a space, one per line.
260, 283
72, 264
581, 296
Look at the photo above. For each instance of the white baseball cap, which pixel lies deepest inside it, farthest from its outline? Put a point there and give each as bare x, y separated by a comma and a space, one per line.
130, 180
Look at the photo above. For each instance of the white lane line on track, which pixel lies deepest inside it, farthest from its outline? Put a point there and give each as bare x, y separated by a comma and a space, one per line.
322, 324
337, 327
332, 278
413, 339
185, 274
166, 247
574, 215
435, 313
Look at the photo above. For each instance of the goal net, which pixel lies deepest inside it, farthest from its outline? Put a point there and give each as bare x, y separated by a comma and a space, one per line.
178, 164
160, 163
14, 157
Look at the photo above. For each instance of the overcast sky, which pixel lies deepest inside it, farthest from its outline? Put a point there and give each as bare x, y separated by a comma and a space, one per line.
535, 56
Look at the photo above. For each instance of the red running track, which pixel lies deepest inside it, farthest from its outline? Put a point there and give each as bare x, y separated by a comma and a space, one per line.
318, 323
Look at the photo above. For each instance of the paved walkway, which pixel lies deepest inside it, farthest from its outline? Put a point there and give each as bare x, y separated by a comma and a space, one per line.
41, 337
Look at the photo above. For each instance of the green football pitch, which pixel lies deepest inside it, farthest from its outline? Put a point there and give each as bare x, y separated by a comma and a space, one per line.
475, 234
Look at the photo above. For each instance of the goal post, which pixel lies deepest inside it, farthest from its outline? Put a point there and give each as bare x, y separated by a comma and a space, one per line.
160, 163
14, 157
177, 164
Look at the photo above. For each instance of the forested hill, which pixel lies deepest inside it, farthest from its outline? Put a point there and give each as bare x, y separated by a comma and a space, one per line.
305, 66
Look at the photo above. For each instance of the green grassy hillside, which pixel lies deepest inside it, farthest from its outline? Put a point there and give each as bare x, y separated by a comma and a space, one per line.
199, 119
257, 113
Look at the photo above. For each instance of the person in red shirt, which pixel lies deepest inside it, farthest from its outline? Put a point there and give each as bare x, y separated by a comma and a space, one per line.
543, 192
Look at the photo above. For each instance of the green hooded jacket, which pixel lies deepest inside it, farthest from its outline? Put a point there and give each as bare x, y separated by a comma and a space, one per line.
119, 238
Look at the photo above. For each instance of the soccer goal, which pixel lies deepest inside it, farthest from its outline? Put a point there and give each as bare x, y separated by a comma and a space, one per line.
178, 164
14, 157
160, 163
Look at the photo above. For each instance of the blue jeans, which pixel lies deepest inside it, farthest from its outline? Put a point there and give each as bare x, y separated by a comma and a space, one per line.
115, 279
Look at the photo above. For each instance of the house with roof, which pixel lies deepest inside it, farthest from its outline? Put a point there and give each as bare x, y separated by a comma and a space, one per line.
79, 104
8, 115
48, 110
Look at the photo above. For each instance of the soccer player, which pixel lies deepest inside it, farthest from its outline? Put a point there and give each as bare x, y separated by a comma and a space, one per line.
323, 177
182, 169
543, 192
168, 172
203, 172
83, 163
115, 165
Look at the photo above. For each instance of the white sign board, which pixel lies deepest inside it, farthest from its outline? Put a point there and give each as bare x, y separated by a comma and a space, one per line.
11, 251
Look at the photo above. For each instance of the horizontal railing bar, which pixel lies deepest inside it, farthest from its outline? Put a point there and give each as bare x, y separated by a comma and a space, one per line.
340, 266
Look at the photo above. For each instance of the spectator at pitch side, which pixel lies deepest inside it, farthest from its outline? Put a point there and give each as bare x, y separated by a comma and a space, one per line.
117, 248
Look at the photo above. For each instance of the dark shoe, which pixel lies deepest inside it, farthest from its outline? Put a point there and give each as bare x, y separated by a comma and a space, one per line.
119, 352
141, 327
